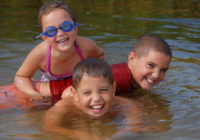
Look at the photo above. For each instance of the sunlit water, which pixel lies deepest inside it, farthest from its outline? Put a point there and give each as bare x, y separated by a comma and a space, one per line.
170, 110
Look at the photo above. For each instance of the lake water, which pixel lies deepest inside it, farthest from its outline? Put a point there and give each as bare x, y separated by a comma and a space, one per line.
170, 111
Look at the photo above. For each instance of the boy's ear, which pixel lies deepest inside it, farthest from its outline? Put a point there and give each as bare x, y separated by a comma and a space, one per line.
67, 92
72, 90
131, 55
114, 88
74, 93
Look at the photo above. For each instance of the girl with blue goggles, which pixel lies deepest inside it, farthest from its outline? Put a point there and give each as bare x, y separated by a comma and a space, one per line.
55, 56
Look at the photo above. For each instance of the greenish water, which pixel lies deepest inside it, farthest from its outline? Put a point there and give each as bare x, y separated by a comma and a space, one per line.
173, 105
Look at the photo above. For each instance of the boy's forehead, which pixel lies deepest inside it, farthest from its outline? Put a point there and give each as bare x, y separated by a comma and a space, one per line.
92, 82
153, 52
92, 76
87, 76
157, 58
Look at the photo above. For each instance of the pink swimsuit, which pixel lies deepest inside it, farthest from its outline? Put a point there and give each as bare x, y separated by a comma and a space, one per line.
47, 75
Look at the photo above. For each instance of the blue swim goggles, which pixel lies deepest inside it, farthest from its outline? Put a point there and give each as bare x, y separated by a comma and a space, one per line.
51, 31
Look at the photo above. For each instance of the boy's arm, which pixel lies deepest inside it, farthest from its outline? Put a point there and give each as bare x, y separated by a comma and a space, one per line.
54, 119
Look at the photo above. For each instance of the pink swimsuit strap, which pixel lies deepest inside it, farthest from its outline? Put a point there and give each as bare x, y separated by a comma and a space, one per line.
48, 61
78, 50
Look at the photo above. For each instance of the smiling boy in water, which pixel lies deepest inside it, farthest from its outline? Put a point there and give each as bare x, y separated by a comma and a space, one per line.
93, 96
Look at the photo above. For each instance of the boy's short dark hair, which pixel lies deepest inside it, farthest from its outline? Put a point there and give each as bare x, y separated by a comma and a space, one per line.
148, 42
52, 5
92, 67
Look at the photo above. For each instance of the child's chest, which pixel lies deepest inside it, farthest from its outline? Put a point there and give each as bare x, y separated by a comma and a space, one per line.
63, 66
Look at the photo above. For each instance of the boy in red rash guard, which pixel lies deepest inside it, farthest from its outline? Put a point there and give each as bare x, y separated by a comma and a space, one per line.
121, 74
146, 67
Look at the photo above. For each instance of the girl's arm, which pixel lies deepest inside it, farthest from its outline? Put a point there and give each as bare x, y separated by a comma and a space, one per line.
43, 88
28, 68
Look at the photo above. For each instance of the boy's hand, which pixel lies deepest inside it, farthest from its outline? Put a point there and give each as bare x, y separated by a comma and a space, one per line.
66, 93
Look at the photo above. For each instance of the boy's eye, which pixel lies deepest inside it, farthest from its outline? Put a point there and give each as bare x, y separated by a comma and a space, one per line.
86, 92
164, 70
151, 65
103, 90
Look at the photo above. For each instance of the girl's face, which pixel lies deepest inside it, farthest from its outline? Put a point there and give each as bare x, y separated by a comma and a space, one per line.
148, 70
62, 41
94, 95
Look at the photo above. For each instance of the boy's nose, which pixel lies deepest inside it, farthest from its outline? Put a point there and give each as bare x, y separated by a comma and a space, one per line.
156, 74
96, 97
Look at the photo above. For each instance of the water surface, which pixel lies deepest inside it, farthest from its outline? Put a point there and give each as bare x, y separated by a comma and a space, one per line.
172, 106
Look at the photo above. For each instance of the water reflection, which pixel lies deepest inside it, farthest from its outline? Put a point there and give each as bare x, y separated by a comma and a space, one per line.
150, 114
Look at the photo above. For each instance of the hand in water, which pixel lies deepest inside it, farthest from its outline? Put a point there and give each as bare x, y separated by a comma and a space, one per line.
37, 97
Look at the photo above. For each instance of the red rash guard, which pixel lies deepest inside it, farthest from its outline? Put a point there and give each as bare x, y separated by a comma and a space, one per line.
121, 75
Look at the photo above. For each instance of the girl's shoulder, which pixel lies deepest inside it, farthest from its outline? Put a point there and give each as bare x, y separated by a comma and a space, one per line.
38, 53
41, 48
83, 42
89, 47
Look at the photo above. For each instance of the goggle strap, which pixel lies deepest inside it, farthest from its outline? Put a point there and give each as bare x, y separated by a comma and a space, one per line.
40, 35
76, 25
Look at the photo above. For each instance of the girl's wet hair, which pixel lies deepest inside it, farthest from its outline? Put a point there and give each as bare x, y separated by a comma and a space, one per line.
52, 5
93, 67
148, 42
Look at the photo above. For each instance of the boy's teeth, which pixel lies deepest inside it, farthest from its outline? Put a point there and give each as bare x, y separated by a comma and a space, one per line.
150, 81
97, 107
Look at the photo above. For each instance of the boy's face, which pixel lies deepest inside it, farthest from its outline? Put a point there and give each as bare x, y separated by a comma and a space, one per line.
62, 41
94, 95
148, 70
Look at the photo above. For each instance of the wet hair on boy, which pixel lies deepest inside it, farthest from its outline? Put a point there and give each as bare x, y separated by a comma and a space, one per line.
91, 67
148, 42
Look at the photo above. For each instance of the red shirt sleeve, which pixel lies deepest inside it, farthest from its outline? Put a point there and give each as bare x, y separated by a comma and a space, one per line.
58, 86
122, 77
